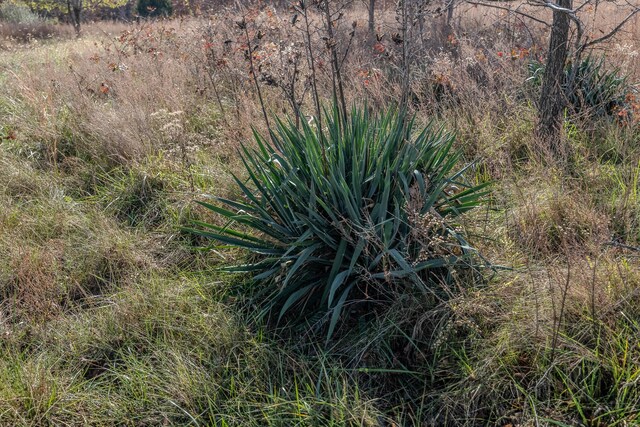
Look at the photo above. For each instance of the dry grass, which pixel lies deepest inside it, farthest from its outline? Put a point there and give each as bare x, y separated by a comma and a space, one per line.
12, 33
107, 313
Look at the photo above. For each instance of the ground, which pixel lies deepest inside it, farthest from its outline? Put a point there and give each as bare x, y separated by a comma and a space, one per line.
112, 314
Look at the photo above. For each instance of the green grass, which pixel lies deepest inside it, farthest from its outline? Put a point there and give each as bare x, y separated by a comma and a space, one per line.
109, 315
167, 350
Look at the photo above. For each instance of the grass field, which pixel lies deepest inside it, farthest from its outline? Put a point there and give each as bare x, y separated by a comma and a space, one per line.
112, 314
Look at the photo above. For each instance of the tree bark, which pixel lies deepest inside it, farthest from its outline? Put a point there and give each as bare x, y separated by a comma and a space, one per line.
372, 16
552, 98
75, 13
450, 7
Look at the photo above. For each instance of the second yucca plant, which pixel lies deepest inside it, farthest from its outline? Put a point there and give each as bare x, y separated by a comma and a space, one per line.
361, 212
588, 86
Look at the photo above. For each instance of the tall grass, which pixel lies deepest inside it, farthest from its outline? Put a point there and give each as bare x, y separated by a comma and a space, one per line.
109, 316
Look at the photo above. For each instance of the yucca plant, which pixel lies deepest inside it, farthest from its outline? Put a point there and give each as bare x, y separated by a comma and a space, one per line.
360, 212
588, 86
592, 87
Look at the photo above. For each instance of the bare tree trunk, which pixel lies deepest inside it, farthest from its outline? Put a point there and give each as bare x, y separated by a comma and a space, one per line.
74, 8
552, 98
372, 16
450, 7
418, 13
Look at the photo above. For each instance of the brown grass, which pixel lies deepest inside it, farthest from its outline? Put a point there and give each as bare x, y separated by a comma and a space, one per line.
11, 33
108, 139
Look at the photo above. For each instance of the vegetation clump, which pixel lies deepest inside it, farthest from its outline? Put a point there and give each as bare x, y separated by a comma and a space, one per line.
590, 89
360, 212
18, 13
356, 224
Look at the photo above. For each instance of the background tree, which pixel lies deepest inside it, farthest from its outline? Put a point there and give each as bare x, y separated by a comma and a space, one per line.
552, 99
74, 8
566, 15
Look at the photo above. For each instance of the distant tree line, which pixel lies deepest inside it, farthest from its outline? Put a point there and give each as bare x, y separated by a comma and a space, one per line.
77, 11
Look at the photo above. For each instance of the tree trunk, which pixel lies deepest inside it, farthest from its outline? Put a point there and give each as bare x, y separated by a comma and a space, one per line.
76, 19
75, 11
450, 7
372, 16
552, 98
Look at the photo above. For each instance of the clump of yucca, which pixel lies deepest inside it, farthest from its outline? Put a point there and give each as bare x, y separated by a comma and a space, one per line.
589, 87
361, 211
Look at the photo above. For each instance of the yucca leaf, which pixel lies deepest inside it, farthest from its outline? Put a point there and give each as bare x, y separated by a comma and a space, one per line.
336, 311
335, 285
404, 265
266, 274
300, 261
338, 261
231, 232
231, 241
293, 298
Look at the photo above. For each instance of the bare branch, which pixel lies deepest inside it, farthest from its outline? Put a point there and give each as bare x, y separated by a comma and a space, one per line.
516, 11
571, 13
612, 32
579, 8
556, 8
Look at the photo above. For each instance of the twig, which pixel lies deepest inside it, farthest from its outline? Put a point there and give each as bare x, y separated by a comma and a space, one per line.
243, 26
404, 103
623, 246
516, 11
331, 44
556, 332
314, 78
611, 33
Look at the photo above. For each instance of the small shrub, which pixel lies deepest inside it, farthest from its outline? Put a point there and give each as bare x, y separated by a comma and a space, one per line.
25, 33
19, 23
360, 213
18, 13
591, 87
